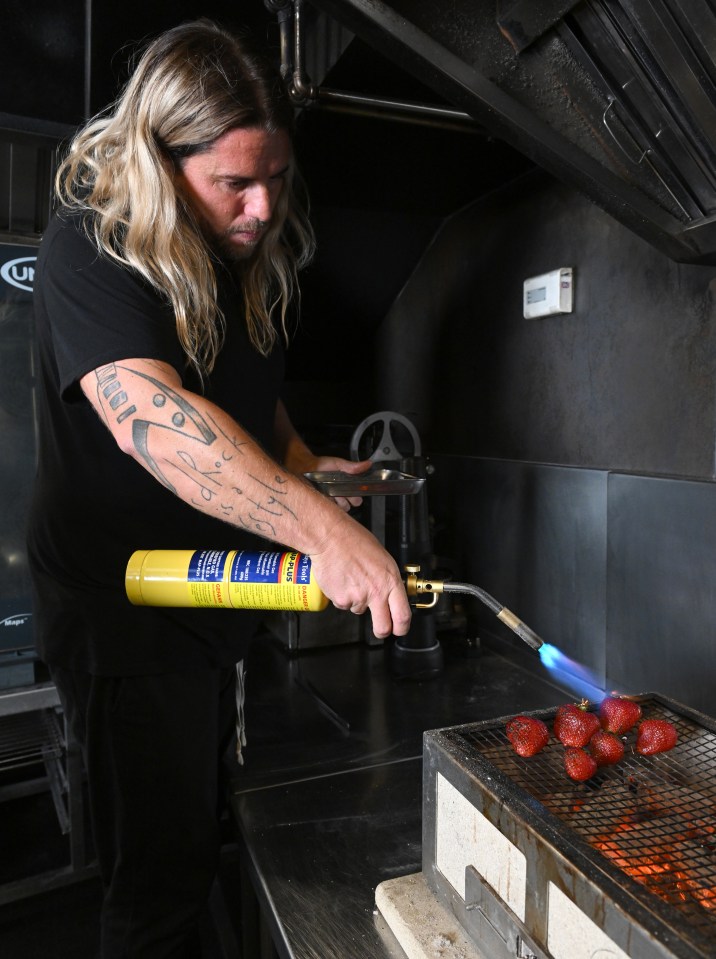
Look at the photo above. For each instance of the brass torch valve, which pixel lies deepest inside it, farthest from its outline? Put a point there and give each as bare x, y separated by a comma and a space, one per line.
422, 587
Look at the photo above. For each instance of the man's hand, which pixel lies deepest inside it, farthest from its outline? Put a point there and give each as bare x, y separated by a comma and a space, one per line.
330, 464
299, 459
357, 574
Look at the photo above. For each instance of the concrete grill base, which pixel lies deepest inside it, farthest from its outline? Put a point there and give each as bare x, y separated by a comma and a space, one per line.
424, 928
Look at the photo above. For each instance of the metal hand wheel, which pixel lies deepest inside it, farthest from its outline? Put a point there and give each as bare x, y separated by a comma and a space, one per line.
386, 448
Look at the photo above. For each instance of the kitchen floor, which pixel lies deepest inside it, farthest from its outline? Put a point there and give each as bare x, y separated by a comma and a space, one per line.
64, 923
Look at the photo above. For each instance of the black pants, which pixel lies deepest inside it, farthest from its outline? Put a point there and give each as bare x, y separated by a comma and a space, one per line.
153, 749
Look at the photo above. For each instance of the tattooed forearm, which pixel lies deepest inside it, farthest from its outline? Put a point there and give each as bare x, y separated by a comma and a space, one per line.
177, 416
255, 525
233, 443
201, 477
179, 442
274, 489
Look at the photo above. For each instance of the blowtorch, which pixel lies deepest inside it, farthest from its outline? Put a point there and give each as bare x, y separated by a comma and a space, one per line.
267, 580
430, 587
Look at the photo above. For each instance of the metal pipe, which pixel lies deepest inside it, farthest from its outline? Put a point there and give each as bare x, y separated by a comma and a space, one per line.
405, 110
304, 93
285, 23
419, 587
301, 89
502, 612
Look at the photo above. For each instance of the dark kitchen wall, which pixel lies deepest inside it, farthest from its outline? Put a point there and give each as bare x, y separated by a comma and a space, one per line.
44, 47
62, 64
379, 189
624, 382
574, 454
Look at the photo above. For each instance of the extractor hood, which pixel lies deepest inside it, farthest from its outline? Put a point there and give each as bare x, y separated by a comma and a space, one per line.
615, 97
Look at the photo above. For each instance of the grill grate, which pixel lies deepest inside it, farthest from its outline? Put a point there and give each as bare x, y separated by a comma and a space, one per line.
654, 817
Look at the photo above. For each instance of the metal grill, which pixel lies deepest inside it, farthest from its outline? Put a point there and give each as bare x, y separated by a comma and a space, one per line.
29, 738
651, 817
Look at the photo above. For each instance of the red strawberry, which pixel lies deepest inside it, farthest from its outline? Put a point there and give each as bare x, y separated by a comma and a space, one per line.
655, 736
618, 715
579, 764
606, 748
527, 735
574, 725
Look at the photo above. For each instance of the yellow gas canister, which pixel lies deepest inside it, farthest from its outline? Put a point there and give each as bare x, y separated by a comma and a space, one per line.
232, 579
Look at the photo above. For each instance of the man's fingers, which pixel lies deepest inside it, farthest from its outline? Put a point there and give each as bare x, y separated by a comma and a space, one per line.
393, 617
347, 503
401, 613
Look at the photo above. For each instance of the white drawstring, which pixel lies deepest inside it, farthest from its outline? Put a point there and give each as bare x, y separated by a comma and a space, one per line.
240, 724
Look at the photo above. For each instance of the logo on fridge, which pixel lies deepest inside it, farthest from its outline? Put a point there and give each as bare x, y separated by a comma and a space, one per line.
19, 272
19, 619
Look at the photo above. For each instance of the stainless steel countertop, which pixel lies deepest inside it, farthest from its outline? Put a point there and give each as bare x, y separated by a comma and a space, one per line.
329, 802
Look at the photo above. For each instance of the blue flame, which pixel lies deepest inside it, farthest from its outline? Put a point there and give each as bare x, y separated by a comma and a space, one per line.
570, 673
549, 655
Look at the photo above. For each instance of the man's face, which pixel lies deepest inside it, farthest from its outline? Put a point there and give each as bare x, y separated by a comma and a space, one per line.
233, 187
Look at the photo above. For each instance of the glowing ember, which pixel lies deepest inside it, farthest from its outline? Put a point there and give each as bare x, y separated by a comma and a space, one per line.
662, 868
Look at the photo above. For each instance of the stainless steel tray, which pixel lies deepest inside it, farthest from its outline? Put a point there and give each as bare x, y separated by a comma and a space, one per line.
373, 483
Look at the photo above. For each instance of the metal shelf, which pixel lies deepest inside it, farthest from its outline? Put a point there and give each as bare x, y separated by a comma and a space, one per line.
37, 754
28, 739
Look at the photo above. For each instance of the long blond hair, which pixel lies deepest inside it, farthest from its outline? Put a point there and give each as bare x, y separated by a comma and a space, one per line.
192, 84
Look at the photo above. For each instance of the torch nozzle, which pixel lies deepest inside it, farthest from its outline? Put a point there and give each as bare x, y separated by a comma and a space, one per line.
423, 587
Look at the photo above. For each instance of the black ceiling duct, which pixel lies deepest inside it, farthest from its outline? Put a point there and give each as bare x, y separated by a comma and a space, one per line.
615, 97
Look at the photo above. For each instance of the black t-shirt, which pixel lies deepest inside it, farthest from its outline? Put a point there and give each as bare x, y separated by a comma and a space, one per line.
93, 504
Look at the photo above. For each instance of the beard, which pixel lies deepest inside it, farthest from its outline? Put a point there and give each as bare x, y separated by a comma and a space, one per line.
238, 252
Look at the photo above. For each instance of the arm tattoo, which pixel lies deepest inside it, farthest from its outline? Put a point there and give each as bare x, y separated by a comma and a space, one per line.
110, 389
191, 430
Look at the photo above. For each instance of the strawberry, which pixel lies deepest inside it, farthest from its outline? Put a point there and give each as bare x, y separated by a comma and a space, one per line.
527, 735
618, 714
655, 736
579, 764
574, 725
606, 748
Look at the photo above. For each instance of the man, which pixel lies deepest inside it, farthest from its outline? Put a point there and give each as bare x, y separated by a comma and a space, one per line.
161, 296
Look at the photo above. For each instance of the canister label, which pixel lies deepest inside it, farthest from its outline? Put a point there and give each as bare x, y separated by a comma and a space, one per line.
270, 581
205, 577
264, 580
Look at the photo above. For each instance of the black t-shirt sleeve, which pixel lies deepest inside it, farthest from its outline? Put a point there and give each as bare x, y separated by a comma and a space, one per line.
101, 312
